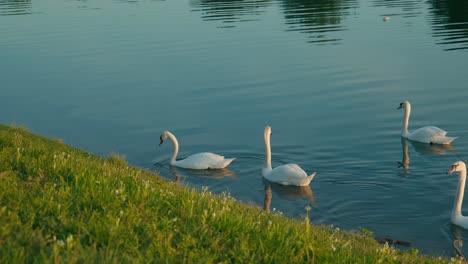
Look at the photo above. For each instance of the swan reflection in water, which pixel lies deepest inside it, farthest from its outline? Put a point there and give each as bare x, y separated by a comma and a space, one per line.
405, 161
212, 174
457, 241
434, 149
286, 192
424, 149
178, 173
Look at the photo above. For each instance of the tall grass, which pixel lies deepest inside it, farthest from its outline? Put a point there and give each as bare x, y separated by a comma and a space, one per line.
62, 205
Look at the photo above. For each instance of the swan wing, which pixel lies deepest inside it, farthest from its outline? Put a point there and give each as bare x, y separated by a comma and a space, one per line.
204, 160
426, 134
431, 134
289, 174
435, 131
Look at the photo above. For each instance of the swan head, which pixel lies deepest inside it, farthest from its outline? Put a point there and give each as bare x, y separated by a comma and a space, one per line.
404, 104
162, 138
457, 166
267, 131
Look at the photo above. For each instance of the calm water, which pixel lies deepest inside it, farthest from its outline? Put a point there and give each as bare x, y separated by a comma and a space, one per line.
111, 75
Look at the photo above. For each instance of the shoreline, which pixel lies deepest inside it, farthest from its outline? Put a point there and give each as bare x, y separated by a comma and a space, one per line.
62, 204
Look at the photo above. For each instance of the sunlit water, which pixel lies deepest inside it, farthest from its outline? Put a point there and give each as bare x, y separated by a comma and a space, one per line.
110, 76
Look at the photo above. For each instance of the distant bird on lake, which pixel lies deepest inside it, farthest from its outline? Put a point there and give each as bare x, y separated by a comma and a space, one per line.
289, 174
199, 161
457, 218
427, 134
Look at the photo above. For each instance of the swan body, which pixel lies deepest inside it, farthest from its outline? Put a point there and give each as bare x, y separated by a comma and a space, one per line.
427, 134
289, 174
199, 161
457, 218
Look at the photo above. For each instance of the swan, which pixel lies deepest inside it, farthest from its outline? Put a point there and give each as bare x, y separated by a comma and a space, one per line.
427, 134
199, 161
289, 174
457, 218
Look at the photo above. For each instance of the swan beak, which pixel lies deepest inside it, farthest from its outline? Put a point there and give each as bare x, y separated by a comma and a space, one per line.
452, 169
160, 141
400, 107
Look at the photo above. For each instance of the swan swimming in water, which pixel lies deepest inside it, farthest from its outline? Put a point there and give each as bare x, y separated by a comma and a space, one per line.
427, 134
289, 174
199, 161
457, 218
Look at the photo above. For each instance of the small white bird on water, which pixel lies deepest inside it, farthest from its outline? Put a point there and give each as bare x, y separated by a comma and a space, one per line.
199, 161
456, 217
288, 174
427, 134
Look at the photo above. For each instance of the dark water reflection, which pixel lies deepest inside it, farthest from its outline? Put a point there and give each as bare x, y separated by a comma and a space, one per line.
450, 23
449, 18
15, 7
319, 19
410, 8
322, 20
230, 11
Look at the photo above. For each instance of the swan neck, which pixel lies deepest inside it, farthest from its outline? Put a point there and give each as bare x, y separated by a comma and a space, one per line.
460, 192
267, 151
176, 147
406, 119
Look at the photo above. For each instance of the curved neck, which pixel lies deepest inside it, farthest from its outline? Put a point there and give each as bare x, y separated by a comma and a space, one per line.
460, 192
406, 119
176, 147
268, 151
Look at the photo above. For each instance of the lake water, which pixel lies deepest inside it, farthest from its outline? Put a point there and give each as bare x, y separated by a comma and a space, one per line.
111, 75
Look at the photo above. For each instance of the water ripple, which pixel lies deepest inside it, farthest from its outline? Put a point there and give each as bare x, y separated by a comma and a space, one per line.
15, 7
318, 19
229, 11
450, 23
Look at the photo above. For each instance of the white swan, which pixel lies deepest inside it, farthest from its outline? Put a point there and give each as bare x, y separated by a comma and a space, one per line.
289, 174
457, 218
427, 134
199, 161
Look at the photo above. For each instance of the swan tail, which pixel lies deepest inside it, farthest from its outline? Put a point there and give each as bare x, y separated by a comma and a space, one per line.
226, 162
312, 176
444, 140
308, 179
450, 139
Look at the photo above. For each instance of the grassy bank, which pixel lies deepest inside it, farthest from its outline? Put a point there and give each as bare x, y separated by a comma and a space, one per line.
60, 204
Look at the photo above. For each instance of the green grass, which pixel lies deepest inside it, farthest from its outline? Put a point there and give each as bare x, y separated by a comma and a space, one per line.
63, 205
